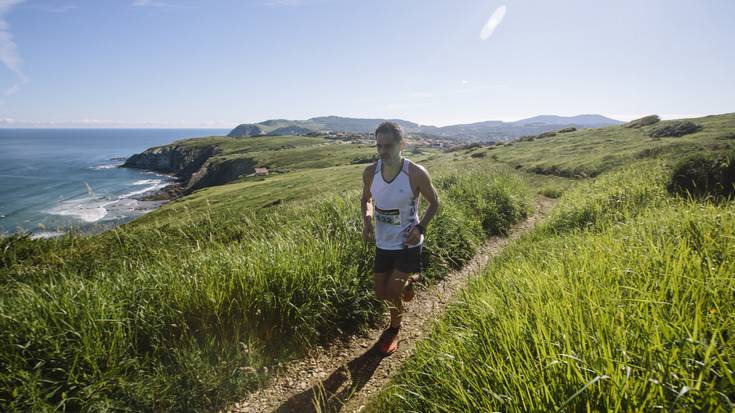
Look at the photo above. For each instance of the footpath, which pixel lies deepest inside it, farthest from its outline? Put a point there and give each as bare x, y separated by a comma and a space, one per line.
343, 377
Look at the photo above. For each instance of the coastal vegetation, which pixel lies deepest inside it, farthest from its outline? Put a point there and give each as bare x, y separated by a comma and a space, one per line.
620, 300
184, 315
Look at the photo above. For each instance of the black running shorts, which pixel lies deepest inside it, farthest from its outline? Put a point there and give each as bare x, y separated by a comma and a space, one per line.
407, 260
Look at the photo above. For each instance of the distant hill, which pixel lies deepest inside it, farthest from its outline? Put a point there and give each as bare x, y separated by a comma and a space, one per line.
480, 131
587, 121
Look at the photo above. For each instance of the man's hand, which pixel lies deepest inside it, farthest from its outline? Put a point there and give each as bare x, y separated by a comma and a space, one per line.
414, 236
367, 231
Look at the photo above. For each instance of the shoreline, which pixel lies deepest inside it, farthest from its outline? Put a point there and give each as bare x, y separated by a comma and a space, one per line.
138, 205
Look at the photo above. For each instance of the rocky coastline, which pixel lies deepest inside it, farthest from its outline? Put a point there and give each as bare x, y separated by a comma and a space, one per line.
192, 166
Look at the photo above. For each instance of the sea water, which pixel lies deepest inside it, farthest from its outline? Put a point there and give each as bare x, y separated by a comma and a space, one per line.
56, 180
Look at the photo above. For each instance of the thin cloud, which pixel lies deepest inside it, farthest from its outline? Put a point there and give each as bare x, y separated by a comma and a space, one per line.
8, 50
493, 23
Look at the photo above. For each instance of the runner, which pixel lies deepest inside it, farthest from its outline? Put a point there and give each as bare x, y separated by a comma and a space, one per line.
394, 184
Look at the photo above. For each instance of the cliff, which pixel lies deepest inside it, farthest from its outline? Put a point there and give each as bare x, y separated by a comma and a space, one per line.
179, 160
195, 166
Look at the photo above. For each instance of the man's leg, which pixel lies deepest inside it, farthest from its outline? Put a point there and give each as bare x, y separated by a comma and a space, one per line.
394, 291
388, 342
380, 282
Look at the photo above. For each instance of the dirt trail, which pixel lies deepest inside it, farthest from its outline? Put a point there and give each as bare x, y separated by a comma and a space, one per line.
343, 377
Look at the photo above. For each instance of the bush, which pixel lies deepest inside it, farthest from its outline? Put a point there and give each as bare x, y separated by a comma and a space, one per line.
567, 130
478, 155
551, 192
704, 176
675, 129
364, 159
612, 197
496, 201
549, 134
644, 121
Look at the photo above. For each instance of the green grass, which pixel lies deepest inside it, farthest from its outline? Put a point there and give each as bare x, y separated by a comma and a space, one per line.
621, 301
183, 308
184, 315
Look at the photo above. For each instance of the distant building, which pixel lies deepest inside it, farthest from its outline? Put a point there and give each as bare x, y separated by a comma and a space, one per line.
261, 171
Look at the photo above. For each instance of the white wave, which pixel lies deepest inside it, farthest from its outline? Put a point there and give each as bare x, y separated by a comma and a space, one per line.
147, 182
150, 188
88, 210
107, 166
162, 175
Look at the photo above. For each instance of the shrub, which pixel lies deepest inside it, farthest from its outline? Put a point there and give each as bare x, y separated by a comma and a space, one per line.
549, 134
496, 201
478, 155
612, 197
704, 176
546, 135
675, 129
364, 159
644, 121
567, 130
551, 192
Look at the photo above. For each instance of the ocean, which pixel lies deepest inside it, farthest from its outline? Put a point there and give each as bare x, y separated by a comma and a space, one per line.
56, 180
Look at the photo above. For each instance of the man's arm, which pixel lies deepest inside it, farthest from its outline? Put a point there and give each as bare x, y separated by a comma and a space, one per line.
365, 206
426, 188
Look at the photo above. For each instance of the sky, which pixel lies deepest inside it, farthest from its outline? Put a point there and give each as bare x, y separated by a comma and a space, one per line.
218, 63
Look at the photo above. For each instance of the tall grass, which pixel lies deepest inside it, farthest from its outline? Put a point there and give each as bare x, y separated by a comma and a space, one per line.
189, 315
628, 306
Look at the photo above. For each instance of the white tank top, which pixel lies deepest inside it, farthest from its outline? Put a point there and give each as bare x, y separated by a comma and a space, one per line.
396, 210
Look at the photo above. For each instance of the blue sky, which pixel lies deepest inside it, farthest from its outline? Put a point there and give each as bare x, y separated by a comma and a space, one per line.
217, 63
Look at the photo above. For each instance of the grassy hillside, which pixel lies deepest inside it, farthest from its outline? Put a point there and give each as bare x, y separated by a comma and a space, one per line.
622, 301
302, 185
185, 308
589, 152
186, 314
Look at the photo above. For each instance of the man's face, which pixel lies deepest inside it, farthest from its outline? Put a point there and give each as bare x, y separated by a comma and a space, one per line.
388, 148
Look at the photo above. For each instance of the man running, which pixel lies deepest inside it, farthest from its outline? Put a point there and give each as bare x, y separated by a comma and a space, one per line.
394, 184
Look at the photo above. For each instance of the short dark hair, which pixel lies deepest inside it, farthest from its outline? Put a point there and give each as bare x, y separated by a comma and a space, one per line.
390, 128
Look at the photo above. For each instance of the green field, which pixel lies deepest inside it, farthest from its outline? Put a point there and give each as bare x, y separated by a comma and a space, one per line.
621, 300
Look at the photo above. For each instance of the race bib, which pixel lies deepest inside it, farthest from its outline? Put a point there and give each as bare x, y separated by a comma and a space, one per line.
388, 216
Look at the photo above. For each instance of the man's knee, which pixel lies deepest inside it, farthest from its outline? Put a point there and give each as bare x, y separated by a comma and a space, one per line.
396, 282
380, 284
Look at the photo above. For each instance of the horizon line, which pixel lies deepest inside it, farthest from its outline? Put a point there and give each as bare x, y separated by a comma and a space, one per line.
72, 125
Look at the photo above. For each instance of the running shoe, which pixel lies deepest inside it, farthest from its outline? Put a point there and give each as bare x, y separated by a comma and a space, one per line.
388, 342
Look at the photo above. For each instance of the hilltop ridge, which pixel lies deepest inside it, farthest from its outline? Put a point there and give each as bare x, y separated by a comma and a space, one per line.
478, 131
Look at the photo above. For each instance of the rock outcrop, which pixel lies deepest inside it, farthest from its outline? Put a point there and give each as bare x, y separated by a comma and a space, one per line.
220, 173
196, 166
181, 161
